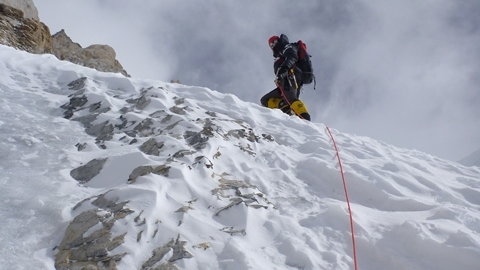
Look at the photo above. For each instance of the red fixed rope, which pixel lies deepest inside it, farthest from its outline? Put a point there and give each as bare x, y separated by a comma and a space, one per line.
348, 201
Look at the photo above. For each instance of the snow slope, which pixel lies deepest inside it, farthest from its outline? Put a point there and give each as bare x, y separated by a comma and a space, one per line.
212, 182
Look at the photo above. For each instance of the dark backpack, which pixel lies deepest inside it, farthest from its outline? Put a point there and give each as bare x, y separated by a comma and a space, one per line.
304, 63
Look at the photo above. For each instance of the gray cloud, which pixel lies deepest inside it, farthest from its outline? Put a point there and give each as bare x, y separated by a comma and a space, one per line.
404, 72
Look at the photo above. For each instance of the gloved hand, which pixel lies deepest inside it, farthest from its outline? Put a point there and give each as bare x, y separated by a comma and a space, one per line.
282, 73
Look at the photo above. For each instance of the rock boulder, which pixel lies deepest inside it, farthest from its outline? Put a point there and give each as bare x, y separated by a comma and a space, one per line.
99, 57
23, 33
26, 6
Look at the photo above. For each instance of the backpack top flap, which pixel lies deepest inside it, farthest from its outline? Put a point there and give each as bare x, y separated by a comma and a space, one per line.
304, 63
302, 50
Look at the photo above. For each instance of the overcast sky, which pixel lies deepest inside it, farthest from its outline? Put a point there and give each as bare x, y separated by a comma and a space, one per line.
401, 71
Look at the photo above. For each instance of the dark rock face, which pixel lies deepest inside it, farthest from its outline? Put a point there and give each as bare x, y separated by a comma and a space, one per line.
151, 147
85, 173
199, 139
88, 242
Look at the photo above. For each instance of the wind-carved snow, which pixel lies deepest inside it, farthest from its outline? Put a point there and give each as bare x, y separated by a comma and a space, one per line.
162, 160
116, 172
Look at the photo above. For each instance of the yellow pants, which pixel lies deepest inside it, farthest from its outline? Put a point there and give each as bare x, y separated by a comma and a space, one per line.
298, 107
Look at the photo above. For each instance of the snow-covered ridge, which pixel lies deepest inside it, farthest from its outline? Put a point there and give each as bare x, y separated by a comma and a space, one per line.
137, 174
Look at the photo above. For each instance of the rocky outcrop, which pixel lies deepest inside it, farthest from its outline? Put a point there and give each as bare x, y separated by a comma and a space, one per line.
99, 57
23, 33
20, 28
89, 242
26, 6
172, 147
86, 172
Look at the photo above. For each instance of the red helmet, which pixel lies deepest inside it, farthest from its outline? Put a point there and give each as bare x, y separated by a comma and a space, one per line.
272, 41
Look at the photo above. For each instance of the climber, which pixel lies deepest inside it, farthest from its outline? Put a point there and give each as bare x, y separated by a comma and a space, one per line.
288, 78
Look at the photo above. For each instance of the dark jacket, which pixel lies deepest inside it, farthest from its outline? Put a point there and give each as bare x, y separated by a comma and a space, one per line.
286, 55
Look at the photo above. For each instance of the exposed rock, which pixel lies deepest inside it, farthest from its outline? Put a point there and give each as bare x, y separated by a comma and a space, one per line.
179, 252
182, 153
88, 241
23, 33
232, 231
178, 110
26, 6
268, 137
204, 161
103, 131
239, 192
85, 173
144, 128
140, 103
102, 202
98, 108
99, 57
78, 83
212, 114
74, 103
144, 170
242, 133
199, 139
157, 255
178, 100
81, 146
204, 246
166, 266
184, 209
233, 202
151, 147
